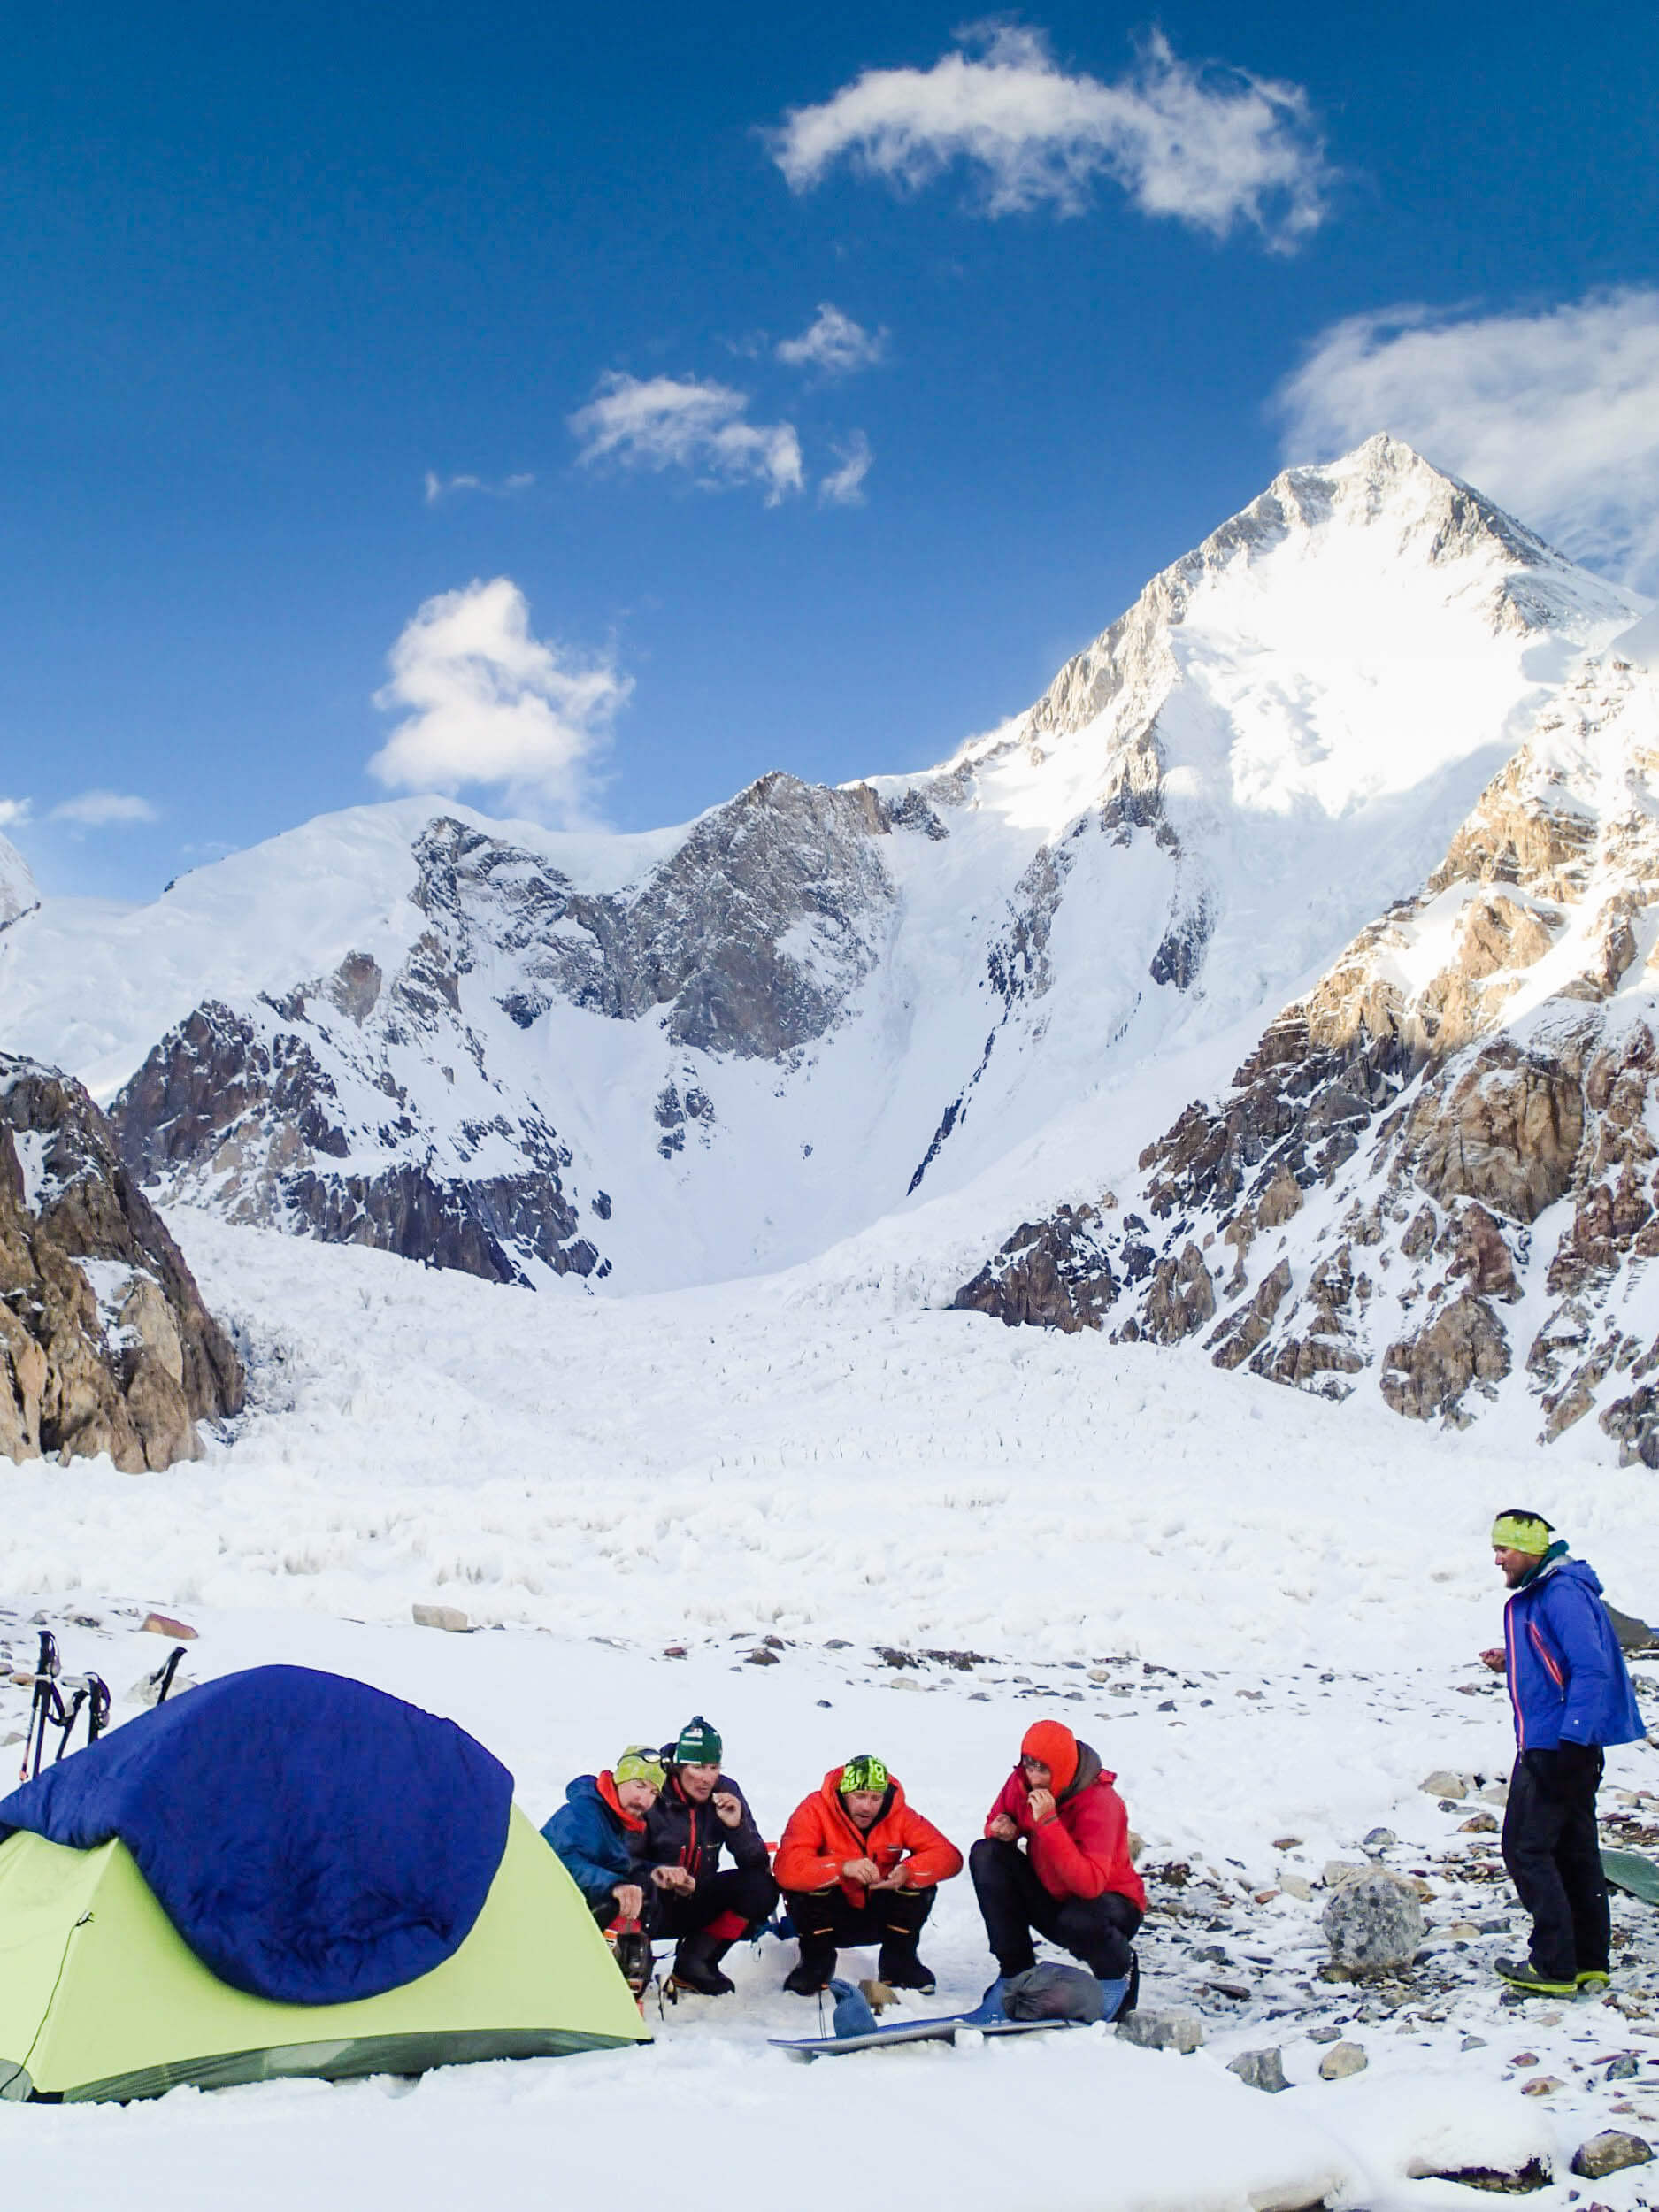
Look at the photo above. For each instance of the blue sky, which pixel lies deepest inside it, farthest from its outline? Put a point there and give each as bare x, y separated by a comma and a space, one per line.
797, 387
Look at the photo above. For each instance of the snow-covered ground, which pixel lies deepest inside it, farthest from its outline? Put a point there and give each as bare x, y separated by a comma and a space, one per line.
1263, 1609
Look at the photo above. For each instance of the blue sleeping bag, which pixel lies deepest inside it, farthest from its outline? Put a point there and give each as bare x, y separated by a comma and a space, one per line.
311, 1840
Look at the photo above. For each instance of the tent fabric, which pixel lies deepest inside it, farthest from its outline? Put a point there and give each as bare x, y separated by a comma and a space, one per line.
101, 1999
312, 1840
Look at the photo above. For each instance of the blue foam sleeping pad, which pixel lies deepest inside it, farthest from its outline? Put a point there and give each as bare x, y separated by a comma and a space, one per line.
311, 1840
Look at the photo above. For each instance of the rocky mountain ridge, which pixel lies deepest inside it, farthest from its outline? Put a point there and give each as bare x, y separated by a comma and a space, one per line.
659, 1060
1434, 1174
105, 1345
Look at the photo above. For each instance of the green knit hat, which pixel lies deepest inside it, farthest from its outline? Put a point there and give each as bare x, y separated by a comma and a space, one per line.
639, 1764
698, 1745
864, 1772
1518, 1530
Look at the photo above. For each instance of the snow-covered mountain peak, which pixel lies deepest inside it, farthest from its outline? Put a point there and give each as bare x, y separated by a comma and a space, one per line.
17, 892
718, 1047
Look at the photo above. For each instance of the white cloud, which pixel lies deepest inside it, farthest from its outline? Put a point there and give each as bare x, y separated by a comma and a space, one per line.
1555, 414
103, 809
661, 422
834, 344
503, 487
845, 486
1210, 146
14, 812
486, 703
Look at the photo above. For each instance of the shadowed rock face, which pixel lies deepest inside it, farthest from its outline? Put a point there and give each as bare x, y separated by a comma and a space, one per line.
1465, 1109
318, 1110
105, 1345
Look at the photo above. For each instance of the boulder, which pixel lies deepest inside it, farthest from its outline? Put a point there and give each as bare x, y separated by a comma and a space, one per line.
1609, 2153
1444, 1783
445, 1616
1373, 1926
1341, 2060
1260, 2070
1155, 2030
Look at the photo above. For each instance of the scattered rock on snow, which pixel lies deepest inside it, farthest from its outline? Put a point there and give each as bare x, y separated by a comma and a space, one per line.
1499, 2181
1259, 2069
1157, 2031
1609, 2153
1373, 1924
164, 1624
1296, 1885
1340, 1871
449, 1616
1341, 2060
1443, 1783
1478, 1824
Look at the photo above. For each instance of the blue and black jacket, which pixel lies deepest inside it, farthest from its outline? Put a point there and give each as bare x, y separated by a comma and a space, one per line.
594, 1837
1568, 1680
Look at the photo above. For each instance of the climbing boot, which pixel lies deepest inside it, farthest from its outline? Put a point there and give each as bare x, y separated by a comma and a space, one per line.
697, 1966
1523, 1975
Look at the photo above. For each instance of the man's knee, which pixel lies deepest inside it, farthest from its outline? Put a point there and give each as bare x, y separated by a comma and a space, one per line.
989, 1863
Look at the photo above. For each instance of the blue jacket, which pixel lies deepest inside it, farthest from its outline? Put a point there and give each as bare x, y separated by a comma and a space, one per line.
1568, 1681
591, 1840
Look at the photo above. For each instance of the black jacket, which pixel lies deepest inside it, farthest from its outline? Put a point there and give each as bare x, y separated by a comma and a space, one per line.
680, 1834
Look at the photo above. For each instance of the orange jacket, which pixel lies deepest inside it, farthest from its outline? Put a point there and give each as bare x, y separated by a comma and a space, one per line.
820, 1838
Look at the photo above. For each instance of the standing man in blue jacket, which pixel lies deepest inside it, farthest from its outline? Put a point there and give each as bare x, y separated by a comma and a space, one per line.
1572, 1694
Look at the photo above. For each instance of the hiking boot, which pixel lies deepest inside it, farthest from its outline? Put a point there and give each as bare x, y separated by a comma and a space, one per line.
697, 1966
1523, 1975
810, 1975
904, 1970
1593, 1980
631, 1947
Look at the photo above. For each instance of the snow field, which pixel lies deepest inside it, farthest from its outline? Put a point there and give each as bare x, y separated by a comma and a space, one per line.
1261, 1609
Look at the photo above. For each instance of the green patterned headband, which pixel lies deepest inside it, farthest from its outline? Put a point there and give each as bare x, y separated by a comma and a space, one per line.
866, 1772
1522, 1531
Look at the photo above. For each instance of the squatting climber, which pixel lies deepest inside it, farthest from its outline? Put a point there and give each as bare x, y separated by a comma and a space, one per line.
700, 1813
1572, 1694
857, 1865
1055, 1859
598, 1832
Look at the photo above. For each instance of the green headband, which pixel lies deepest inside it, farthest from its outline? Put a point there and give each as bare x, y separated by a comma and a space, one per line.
1521, 1532
864, 1772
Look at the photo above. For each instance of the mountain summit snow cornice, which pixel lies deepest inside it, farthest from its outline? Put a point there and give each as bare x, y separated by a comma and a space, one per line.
717, 1049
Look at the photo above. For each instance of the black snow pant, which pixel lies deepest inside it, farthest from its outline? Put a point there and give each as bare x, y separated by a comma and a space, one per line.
1013, 1903
749, 1892
826, 1920
1553, 1857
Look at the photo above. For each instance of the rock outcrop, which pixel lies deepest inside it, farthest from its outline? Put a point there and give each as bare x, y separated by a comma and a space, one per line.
389, 1109
105, 1345
547, 1056
1464, 1111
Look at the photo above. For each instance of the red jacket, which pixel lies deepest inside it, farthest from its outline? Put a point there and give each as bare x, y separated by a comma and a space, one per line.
1084, 1850
820, 1838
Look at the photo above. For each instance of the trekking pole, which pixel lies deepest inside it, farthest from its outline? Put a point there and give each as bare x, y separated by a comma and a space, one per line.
163, 1676
65, 1717
45, 1697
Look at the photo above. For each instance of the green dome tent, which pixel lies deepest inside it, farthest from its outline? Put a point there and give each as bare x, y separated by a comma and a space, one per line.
101, 1996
